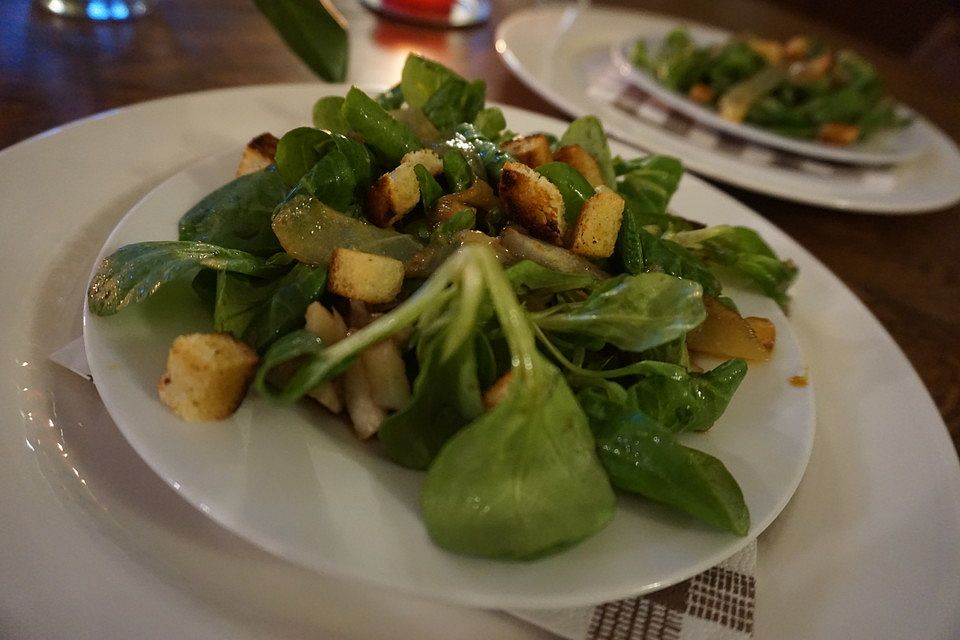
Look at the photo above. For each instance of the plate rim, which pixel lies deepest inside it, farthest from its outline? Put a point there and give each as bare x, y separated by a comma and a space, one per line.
691, 184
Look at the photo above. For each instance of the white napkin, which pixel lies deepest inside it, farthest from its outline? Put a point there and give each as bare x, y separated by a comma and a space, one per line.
717, 604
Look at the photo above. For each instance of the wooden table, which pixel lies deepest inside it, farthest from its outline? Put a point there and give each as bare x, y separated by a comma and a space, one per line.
904, 268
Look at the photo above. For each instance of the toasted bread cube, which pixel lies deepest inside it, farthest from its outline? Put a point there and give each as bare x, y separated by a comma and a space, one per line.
427, 157
533, 202
397, 192
581, 160
811, 70
701, 93
364, 413
207, 376
595, 233
393, 195
769, 50
532, 151
797, 48
259, 154
838, 133
364, 276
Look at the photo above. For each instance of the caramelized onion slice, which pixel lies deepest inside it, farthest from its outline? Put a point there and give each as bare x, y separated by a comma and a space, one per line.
524, 247
727, 334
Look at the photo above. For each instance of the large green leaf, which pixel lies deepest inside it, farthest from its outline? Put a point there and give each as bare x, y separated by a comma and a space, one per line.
136, 271
643, 457
237, 215
633, 313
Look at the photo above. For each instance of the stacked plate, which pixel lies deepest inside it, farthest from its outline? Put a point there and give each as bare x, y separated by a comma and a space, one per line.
579, 59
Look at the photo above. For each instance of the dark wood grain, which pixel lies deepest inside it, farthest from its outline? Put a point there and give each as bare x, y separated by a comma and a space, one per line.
904, 268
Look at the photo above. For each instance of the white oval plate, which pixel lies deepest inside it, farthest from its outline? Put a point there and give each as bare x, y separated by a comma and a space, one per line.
97, 546
564, 55
888, 147
296, 482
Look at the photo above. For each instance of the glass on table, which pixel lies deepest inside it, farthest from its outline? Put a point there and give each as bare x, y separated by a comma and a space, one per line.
103, 10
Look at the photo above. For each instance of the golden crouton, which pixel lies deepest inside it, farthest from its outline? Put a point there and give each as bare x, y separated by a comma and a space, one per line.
595, 233
701, 93
364, 276
533, 202
259, 154
797, 48
207, 376
581, 160
532, 151
395, 193
427, 157
838, 133
769, 50
811, 70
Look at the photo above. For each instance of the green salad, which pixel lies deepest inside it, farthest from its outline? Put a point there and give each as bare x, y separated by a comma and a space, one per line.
513, 315
799, 88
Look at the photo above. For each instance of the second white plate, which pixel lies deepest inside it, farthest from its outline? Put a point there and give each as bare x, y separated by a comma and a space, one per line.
564, 55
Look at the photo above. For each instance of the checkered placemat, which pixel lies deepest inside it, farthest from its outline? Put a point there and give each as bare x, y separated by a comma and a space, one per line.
717, 604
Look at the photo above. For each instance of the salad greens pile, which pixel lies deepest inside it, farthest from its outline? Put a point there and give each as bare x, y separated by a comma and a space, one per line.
590, 357
799, 88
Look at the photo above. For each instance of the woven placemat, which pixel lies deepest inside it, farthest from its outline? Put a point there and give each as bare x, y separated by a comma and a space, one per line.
717, 604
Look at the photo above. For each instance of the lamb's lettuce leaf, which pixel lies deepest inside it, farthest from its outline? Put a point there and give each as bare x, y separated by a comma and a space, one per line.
135, 271
237, 215
742, 252
643, 457
631, 312
687, 401
283, 311
515, 483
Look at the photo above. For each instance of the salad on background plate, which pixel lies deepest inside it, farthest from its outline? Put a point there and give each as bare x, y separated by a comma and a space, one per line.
799, 95
521, 318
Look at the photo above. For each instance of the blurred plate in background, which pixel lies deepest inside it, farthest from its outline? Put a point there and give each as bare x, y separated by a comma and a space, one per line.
563, 53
